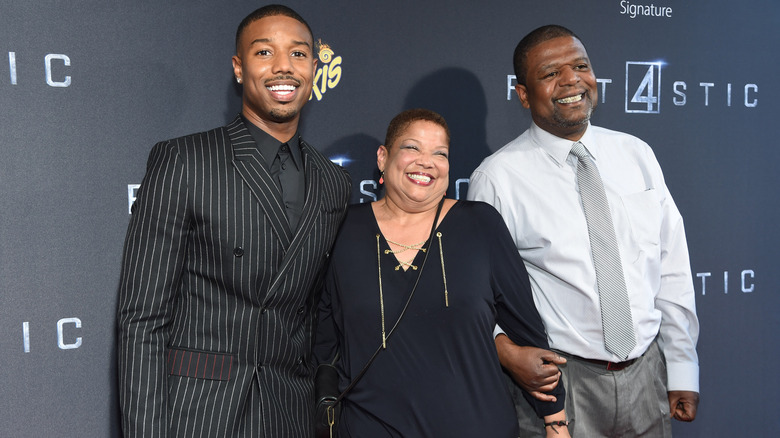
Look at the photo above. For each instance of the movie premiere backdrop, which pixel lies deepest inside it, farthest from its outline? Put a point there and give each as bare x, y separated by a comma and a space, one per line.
87, 87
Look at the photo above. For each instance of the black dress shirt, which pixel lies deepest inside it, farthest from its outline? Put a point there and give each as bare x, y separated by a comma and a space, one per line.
284, 162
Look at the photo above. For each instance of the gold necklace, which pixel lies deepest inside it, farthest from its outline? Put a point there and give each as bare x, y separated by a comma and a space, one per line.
379, 270
415, 247
405, 247
443, 272
381, 297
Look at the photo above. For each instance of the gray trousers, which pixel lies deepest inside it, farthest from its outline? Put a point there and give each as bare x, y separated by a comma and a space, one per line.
632, 402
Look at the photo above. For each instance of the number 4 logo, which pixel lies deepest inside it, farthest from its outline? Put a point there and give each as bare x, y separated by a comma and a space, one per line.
643, 87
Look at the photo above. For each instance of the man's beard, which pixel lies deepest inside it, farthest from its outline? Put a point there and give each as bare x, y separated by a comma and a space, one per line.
283, 115
563, 122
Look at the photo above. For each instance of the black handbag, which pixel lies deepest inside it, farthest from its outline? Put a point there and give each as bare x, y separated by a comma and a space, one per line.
326, 395
326, 379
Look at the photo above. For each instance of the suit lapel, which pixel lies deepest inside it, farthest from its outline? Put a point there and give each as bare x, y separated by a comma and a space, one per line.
313, 196
249, 164
311, 210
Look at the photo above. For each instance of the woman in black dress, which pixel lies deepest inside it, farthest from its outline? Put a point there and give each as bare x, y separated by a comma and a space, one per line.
438, 375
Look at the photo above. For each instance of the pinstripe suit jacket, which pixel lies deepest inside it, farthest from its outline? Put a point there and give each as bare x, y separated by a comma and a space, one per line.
215, 309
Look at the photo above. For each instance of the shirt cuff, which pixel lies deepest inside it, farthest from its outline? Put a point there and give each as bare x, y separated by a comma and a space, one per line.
498, 331
682, 376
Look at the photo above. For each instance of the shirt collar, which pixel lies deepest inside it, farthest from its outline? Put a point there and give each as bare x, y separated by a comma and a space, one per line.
269, 146
295, 150
558, 148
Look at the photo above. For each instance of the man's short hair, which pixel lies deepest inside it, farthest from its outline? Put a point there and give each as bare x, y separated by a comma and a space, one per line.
533, 39
405, 118
271, 11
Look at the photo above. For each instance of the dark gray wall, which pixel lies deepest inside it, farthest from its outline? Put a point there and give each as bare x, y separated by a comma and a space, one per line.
124, 75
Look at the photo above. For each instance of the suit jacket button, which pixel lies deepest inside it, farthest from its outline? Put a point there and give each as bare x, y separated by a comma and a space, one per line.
301, 309
263, 310
238, 251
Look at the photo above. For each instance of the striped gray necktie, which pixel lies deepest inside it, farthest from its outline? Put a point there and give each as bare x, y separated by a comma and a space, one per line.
613, 296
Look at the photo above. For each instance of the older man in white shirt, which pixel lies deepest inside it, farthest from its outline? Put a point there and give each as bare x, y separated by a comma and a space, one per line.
533, 181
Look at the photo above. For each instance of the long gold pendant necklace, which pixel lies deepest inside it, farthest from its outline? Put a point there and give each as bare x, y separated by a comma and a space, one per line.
416, 246
381, 297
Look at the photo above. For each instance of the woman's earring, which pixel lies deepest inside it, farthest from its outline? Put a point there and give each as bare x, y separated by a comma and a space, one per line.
381, 177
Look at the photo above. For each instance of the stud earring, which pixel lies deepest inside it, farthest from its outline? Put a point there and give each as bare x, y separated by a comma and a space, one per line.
238, 80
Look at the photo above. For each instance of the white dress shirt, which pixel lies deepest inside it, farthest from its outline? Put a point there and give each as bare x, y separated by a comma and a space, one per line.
532, 181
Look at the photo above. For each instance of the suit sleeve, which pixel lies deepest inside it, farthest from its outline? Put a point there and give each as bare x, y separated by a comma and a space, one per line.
516, 311
152, 265
326, 340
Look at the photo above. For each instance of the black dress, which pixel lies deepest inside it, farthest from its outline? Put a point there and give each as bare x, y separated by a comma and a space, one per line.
440, 375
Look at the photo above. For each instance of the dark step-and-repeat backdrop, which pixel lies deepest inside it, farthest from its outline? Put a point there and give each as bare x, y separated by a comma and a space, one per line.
87, 87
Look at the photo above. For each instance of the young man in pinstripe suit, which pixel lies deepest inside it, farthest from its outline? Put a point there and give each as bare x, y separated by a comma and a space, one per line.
224, 250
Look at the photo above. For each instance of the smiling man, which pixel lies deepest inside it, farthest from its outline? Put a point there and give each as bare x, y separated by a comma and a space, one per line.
223, 255
605, 249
